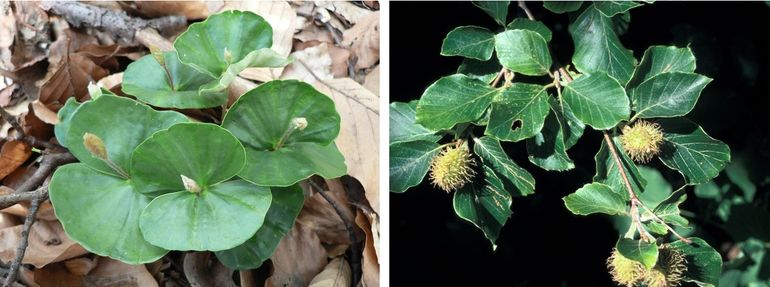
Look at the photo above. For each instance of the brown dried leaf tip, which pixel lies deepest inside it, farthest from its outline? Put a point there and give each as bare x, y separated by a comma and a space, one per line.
452, 168
642, 140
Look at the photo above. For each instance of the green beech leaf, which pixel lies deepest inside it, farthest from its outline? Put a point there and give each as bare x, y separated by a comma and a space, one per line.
597, 47
640, 251
597, 100
526, 24
518, 112
470, 42
101, 213
219, 217
547, 149
453, 99
667, 95
657, 188
487, 205
497, 9
120, 131
403, 127
485, 71
704, 264
523, 51
147, 80
612, 8
596, 198
608, 173
517, 181
284, 209
692, 152
265, 116
560, 7
571, 126
205, 153
662, 59
409, 162
668, 209
65, 115
228, 42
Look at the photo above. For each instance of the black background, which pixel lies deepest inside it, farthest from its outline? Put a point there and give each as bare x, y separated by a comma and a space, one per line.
543, 244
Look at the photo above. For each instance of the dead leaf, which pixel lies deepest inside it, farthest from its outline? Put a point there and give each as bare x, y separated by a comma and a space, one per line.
336, 274
340, 61
6, 94
372, 81
47, 244
192, 10
364, 40
44, 113
318, 215
288, 270
310, 65
8, 220
111, 81
12, 155
346, 10
113, 273
370, 263
280, 15
201, 269
80, 266
7, 35
359, 132
57, 275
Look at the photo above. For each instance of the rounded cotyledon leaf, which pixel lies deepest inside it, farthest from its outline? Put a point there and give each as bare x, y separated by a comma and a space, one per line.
172, 84
215, 218
101, 213
284, 209
121, 124
226, 39
204, 153
288, 129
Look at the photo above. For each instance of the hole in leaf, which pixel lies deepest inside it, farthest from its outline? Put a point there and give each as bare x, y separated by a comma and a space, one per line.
516, 124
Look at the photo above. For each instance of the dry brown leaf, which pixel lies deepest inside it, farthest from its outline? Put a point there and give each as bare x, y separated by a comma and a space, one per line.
44, 113
47, 244
113, 273
364, 40
359, 132
31, 31
346, 10
36, 127
192, 10
336, 274
313, 32
340, 61
7, 35
281, 16
372, 81
8, 220
12, 155
111, 81
310, 65
6, 94
288, 270
318, 215
370, 263
80, 266
17, 111
57, 275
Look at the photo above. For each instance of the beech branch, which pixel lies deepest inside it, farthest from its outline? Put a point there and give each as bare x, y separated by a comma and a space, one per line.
21, 135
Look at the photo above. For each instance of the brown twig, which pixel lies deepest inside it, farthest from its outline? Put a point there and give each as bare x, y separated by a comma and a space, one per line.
47, 165
28, 220
14, 198
355, 258
523, 6
498, 77
21, 135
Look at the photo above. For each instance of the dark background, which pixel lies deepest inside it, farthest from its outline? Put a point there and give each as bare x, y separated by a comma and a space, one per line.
543, 244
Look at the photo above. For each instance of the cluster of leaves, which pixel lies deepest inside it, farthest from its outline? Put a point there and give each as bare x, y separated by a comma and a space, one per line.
608, 90
151, 181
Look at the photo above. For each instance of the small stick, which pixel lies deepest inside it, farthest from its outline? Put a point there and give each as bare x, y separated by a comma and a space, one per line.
523, 6
21, 135
28, 220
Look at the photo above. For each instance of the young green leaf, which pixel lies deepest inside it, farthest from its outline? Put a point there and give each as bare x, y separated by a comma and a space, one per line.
667, 95
640, 251
409, 162
560, 7
101, 213
65, 116
487, 205
485, 71
668, 209
497, 9
220, 217
204, 153
612, 8
596, 198
518, 112
284, 208
598, 48
121, 132
403, 127
608, 173
230, 37
536, 26
662, 59
470, 42
180, 88
517, 181
597, 100
692, 152
571, 126
523, 51
278, 152
453, 99
704, 264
